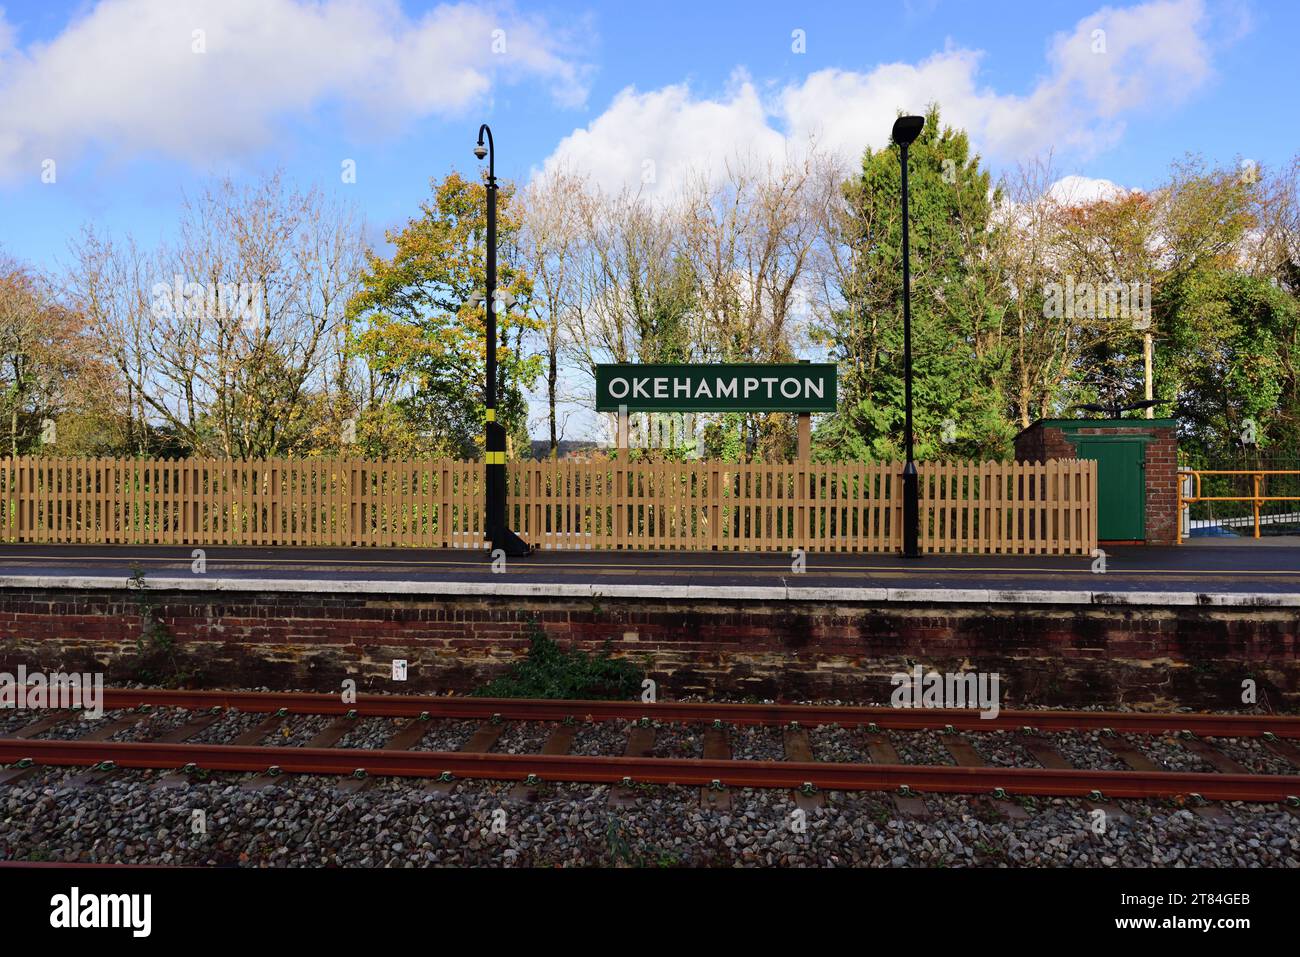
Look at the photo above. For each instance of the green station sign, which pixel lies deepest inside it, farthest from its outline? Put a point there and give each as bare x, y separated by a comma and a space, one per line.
738, 387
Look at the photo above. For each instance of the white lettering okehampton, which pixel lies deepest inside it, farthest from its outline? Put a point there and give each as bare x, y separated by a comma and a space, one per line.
767, 387
740, 387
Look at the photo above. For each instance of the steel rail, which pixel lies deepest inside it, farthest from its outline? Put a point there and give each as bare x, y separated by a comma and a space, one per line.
902, 719
679, 771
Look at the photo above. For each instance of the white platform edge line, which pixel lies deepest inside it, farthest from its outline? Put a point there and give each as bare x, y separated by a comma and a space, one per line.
948, 596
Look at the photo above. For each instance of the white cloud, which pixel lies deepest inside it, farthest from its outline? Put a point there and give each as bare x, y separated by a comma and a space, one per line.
672, 131
1083, 191
1149, 54
1155, 55
125, 76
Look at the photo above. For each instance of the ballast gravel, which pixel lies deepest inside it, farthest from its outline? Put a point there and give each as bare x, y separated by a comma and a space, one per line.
153, 724
446, 735
838, 745
229, 726
1167, 753
601, 739
371, 732
1083, 749
397, 823
524, 737
297, 730
920, 747
1253, 754
76, 725
678, 741
54, 815
757, 743
1000, 749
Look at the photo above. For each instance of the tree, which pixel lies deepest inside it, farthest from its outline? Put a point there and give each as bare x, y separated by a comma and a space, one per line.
633, 294
958, 301
749, 241
55, 394
1232, 344
549, 241
229, 338
1043, 344
422, 341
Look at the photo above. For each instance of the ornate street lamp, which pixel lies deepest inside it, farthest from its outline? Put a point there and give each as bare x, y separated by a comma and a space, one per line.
496, 527
906, 130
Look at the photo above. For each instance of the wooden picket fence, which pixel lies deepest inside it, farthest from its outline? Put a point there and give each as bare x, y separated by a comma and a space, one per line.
197, 501
969, 507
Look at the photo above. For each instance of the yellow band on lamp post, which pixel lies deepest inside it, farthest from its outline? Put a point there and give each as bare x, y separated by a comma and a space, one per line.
491, 415
496, 458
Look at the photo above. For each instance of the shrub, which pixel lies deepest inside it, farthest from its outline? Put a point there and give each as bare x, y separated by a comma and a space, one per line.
551, 672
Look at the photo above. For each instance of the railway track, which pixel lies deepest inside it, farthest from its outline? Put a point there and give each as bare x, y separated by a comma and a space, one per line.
25, 752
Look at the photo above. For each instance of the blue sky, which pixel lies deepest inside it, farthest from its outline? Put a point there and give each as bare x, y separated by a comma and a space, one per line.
133, 117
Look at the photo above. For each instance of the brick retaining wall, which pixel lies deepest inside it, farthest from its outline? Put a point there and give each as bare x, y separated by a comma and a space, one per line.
1057, 655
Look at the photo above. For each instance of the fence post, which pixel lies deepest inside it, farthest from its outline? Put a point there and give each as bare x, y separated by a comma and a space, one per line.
1256, 477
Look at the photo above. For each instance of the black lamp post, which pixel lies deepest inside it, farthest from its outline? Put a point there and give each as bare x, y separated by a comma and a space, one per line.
497, 528
906, 130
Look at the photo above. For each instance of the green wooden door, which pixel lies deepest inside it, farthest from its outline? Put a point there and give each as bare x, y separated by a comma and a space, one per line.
1121, 486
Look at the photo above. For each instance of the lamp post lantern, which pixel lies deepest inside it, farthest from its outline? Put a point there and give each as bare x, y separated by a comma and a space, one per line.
496, 527
906, 130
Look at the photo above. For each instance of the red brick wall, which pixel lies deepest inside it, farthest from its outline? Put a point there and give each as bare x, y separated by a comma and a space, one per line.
1040, 443
1063, 655
1162, 488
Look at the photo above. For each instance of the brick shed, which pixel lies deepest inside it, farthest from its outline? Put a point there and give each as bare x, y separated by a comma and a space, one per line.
1137, 471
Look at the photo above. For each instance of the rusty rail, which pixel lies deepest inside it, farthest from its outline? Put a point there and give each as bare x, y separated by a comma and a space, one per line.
515, 709
678, 771
713, 772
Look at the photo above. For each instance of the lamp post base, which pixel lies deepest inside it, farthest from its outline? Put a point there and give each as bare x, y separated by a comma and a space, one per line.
911, 511
496, 521
510, 543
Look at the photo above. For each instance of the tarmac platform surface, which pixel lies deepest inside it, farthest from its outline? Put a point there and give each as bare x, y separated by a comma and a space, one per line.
1241, 572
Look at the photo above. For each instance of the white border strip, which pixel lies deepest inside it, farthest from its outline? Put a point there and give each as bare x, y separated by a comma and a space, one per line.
507, 589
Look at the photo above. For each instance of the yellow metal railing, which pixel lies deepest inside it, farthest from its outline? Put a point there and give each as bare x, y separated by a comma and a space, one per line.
1193, 478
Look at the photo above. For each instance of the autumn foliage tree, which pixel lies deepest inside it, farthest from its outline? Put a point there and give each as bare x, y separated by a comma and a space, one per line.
142, 351
424, 345
56, 394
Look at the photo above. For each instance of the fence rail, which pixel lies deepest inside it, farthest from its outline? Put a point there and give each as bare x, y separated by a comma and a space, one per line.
972, 507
